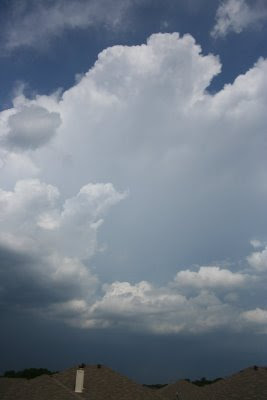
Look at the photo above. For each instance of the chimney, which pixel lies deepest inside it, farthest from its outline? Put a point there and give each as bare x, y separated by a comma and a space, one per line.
79, 380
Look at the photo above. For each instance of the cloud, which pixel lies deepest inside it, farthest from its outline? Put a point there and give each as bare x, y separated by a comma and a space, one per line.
142, 118
36, 23
143, 307
255, 319
41, 279
48, 238
256, 243
166, 309
258, 260
30, 128
257, 316
15, 166
238, 15
33, 218
213, 277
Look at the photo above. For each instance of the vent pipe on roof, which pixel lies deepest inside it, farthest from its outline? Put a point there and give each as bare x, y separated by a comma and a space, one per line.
79, 380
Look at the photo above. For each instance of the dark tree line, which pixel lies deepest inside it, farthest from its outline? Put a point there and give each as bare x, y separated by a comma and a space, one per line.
28, 373
204, 381
200, 382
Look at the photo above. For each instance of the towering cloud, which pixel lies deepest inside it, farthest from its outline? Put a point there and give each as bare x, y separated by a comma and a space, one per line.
141, 122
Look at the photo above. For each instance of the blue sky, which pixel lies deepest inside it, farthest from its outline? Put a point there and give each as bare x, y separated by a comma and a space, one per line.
45, 67
133, 185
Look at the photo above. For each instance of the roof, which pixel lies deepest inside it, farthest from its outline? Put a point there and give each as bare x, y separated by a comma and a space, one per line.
248, 384
41, 388
10, 386
105, 384
99, 384
184, 389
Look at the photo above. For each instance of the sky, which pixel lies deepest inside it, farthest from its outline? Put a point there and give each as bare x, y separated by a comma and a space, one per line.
133, 186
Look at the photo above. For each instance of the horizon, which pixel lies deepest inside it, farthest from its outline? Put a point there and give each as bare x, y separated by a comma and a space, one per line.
196, 381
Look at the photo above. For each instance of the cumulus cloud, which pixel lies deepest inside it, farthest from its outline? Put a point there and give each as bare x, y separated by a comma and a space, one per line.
258, 260
257, 316
50, 238
255, 319
213, 277
35, 23
256, 243
238, 15
15, 166
32, 215
159, 310
144, 307
141, 118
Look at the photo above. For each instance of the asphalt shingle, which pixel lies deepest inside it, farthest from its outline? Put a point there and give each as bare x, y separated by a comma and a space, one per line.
249, 384
105, 384
184, 389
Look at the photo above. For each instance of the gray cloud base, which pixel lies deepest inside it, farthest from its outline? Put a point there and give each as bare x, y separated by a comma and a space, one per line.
31, 127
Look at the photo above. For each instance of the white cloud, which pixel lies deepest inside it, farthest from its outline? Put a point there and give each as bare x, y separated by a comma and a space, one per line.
256, 243
258, 260
210, 277
20, 207
195, 165
143, 307
258, 316
33, 208
35, 23
15, 166
238, 15
81, 217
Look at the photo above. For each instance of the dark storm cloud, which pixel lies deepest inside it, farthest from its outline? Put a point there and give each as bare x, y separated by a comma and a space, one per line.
145, 358
16, 279
24, 284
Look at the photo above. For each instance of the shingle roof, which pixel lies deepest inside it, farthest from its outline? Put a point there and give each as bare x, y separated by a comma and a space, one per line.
99, 384
105, 384
41, 388
249, 384
184, 389
10, 387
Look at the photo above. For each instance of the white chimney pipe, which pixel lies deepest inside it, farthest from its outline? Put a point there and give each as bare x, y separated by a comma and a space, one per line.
79, 380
